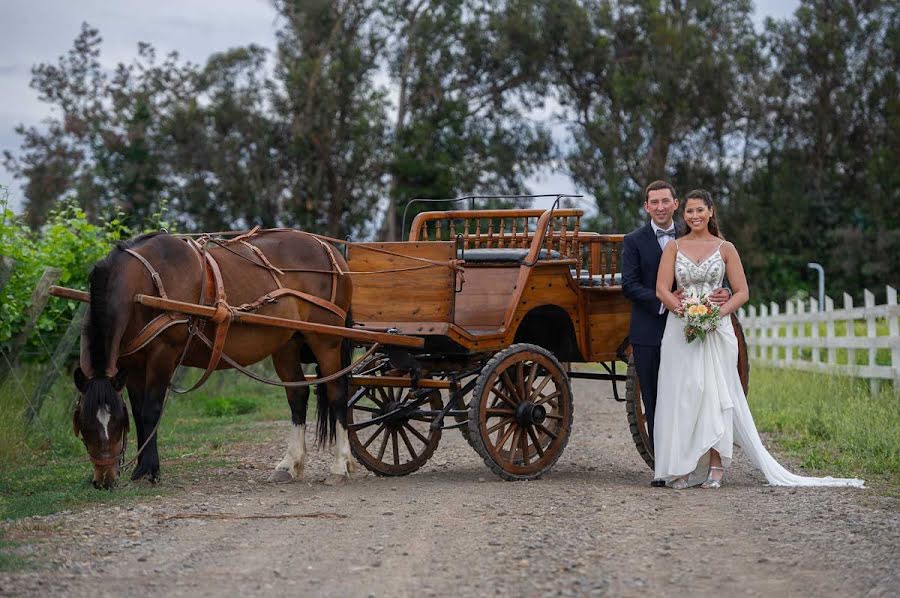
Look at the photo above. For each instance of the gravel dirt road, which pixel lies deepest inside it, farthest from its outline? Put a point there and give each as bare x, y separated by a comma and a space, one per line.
593, 526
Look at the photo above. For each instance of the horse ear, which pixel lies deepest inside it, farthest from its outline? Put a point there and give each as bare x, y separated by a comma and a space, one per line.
81, 380
119, 380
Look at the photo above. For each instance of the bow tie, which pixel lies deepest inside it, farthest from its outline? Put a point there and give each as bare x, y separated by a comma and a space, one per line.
665, 233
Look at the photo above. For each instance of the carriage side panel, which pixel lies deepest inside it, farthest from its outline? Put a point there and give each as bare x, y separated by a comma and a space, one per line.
402, 282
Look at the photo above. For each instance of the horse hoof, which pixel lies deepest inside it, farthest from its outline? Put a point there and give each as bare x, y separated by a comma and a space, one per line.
334, 479
281, 476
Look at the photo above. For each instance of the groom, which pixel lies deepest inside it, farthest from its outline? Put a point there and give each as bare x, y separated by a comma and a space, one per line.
641, 252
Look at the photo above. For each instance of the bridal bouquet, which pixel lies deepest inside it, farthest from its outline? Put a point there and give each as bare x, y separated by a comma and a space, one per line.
701, 317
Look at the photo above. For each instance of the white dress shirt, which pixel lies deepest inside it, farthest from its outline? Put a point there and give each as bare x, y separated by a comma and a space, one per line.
663, 241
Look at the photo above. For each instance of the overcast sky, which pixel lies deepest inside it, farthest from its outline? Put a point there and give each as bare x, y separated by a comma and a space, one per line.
38, 31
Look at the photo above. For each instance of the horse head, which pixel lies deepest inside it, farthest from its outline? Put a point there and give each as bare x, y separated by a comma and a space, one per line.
101, 420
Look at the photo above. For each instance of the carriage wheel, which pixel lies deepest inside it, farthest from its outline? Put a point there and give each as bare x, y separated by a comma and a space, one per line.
637, 420
520, 414
399, 445
634, 408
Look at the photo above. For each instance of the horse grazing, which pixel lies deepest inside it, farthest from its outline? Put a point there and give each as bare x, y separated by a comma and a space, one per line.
125, 345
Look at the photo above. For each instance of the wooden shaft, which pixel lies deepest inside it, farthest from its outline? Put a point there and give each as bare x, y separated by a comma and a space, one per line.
67, 293
351, 333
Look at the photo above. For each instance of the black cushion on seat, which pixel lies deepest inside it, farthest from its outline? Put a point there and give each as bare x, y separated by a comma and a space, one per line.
504, 255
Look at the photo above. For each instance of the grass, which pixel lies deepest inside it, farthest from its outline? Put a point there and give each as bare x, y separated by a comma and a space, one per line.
831, 424
44, 470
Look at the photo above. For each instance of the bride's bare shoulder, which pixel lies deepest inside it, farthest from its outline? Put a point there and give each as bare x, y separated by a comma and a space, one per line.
728, 249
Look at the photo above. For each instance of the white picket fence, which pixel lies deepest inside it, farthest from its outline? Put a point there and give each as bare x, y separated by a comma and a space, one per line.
801, 337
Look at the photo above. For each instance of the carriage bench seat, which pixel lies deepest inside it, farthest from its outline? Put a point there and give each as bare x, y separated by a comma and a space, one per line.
503, 256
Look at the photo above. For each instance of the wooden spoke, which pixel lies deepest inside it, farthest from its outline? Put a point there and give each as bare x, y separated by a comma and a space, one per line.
554, 416
543, 429
537, 391
383, 446
532, 372
367, 409
520, 381
523, 439
511, 387
514, 447
408, 444
396, 448
494, 411
534, 439
505, 437
374, 436
499, 425
543, 399
416, 433
506, 399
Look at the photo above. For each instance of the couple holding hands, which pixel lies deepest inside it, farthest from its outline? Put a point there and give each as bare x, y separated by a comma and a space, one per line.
687, 366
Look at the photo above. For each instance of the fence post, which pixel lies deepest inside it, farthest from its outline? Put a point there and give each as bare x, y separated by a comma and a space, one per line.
7, 264
815, 353
829, 330
894, 332
789, 332
772, 331
38, 301
57, 363
871, 332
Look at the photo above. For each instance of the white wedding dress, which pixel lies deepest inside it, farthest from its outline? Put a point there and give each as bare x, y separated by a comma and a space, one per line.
700, 402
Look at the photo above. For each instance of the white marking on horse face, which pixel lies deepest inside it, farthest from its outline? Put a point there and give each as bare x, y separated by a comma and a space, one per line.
103, 416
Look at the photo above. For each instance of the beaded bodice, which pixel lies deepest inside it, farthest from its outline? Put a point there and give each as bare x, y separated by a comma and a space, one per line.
699, 278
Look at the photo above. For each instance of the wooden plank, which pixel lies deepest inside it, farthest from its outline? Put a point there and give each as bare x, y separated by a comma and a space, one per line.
485, 296
882, 372
39, 298
58, 363
894, 331
420, 294
351, 333
838, 342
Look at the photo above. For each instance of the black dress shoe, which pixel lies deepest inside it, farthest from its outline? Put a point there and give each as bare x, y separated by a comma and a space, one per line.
658, 483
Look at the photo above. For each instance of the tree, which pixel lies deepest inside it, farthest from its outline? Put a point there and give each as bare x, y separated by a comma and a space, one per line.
650, 89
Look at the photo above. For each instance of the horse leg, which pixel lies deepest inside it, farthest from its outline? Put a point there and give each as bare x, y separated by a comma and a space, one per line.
135, 388
158, 373
331, 355
288, 366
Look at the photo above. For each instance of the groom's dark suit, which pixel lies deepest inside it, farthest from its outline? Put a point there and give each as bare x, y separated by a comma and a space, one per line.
640, 261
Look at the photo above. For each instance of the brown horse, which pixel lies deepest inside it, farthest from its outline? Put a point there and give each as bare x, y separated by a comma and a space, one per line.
304, 264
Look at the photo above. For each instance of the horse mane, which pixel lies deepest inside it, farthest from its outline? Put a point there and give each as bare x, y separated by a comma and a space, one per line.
101, 320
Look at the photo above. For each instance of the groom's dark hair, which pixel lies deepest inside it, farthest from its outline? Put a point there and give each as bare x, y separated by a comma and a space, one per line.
655, 186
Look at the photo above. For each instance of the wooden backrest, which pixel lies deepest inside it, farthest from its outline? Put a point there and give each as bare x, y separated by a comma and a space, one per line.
402, 282
502, 229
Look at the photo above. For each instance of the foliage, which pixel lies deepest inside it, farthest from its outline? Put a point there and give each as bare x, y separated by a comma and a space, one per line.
67, 241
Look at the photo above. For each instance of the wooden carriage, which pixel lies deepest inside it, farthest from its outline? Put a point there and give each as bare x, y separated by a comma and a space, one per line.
506, 302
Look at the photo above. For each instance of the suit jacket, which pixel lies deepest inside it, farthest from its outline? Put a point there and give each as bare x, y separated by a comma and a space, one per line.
640, 261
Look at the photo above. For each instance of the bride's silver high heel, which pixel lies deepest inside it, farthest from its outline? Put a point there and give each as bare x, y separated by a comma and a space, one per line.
712, 483
681, 483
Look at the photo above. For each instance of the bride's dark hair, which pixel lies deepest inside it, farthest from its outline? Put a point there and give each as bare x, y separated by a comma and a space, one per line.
704, 195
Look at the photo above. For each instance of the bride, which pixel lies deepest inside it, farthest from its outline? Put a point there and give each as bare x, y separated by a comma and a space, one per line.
701, 408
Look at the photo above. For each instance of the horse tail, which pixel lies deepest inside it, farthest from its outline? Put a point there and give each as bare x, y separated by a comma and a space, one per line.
330, 412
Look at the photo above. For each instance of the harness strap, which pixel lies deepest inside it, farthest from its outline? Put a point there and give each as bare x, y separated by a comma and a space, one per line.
154, 328
153, 273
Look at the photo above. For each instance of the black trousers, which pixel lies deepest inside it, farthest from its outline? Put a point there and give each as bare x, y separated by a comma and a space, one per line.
646, 362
